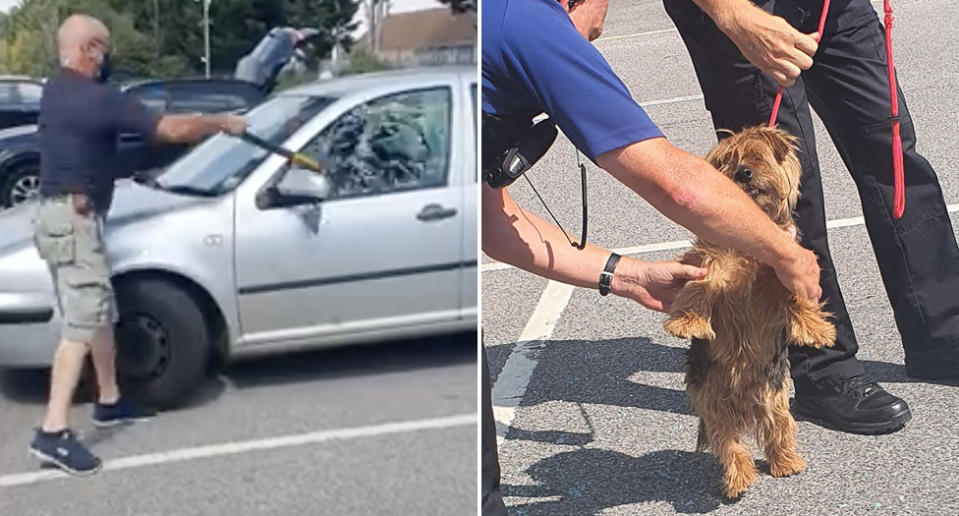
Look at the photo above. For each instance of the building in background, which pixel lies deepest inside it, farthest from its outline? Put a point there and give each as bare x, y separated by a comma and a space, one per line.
431, 37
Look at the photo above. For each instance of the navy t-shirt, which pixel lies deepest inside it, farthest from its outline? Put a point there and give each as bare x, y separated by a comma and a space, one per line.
80, 120
534, 61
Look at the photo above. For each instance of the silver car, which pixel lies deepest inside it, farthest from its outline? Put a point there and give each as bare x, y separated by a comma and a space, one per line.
232, 252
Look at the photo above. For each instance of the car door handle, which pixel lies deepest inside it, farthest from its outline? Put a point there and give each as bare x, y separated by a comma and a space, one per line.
432, 212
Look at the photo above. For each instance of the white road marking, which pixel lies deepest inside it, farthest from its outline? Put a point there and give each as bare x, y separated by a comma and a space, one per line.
876, 4
510, 386
670, 100
636, 35
234, 448
683, 244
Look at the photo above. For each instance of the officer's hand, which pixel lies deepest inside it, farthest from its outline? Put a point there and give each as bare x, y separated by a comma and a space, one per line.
652, 284
771, 43
235, 125
799, 272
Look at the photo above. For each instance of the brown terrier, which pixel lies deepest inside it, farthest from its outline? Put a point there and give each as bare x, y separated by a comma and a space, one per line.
742, 319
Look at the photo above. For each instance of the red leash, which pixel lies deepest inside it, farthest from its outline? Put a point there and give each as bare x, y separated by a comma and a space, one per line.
899, 202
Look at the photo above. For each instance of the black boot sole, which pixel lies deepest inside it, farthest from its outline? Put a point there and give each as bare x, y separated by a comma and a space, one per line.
855, 427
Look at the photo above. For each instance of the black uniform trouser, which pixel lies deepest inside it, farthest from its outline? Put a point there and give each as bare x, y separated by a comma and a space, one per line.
492, 499
848, 87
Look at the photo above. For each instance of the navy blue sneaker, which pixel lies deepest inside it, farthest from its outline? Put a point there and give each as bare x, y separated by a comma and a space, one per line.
62, 449
119, 413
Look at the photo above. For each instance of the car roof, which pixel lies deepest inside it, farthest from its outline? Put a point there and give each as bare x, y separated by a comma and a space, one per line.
19, 78
352, 83
133, 83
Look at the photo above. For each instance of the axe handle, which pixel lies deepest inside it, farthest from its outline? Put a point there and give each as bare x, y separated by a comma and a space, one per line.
294, 157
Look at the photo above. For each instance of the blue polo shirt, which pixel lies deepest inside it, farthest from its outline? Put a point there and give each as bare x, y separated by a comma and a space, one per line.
534, 61
79, 123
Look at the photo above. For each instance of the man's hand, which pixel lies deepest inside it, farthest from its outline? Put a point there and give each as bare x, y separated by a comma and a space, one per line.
235, 125
652, 284
799, 273
768, 41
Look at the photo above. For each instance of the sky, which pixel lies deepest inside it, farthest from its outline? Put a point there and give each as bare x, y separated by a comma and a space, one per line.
7, 4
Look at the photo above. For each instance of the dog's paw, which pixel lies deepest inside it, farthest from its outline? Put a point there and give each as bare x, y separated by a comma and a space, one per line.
737, 482
690, 326
815, 332
786, 465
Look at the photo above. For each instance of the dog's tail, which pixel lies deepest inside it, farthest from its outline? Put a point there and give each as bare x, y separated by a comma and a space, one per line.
701, 442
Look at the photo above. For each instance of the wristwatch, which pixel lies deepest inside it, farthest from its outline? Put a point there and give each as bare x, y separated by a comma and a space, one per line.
606, 277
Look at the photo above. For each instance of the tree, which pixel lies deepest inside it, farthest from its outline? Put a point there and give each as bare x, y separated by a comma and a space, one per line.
332, 17
164, 38
28, 43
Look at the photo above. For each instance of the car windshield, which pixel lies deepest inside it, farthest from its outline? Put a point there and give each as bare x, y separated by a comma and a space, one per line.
20, 95
222, 162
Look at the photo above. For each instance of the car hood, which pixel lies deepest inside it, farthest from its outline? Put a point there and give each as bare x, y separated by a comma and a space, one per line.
132, 202
18, 135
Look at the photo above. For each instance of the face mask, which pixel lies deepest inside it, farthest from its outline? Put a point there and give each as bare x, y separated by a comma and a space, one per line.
106, 68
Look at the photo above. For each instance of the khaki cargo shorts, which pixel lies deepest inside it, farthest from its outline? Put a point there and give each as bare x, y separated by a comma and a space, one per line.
73, 247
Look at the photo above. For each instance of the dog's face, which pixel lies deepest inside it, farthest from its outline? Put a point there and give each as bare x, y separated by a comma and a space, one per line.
763, 162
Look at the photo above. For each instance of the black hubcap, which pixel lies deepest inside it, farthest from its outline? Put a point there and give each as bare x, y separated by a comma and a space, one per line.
143, 350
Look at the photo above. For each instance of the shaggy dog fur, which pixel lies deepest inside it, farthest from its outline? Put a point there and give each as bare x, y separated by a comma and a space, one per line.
742, 319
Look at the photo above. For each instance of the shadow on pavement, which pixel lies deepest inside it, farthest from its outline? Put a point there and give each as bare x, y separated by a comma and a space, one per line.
590, 480
598, 372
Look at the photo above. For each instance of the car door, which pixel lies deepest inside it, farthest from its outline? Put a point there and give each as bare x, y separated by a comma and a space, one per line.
384, 250
470, 180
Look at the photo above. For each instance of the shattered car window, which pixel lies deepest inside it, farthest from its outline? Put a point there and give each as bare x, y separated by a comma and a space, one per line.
394, 143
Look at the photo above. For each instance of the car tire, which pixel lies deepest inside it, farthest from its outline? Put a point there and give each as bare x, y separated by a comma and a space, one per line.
20, 180
163, 342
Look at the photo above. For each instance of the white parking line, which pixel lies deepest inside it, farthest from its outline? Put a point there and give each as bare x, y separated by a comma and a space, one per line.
510, 386
875, 3
234, 448
635, 35
683, 244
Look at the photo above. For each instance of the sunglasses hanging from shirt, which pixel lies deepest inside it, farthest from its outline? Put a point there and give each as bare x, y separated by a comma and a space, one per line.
512, 146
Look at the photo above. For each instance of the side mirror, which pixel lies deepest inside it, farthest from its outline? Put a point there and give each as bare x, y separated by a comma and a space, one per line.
302, 185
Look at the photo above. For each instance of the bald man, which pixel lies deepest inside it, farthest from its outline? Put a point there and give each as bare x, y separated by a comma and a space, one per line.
80, 119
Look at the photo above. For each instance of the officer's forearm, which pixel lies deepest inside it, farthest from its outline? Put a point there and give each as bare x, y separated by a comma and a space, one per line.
695, 195
519, 238
189, 128
725, 12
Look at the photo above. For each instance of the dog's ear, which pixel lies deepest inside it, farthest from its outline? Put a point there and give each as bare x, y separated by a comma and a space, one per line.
781, 143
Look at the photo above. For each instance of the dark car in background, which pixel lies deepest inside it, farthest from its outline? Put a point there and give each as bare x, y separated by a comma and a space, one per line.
19, 101
254, 79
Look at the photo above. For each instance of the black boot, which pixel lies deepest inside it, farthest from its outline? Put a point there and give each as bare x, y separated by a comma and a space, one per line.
856, 405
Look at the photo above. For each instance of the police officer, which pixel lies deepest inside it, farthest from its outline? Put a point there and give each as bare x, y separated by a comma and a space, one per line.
537, 58
742, 51
80, 119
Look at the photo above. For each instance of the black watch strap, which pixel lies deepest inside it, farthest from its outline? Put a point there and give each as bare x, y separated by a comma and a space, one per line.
606, 277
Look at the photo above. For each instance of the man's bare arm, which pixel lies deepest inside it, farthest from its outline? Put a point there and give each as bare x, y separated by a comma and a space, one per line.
193, 128
695, 195
517, 237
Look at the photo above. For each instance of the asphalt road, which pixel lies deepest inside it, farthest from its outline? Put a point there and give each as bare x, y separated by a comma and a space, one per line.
599, 422
384, 429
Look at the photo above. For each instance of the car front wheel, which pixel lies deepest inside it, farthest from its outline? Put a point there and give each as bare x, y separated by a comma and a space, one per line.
21, 185
163, 342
